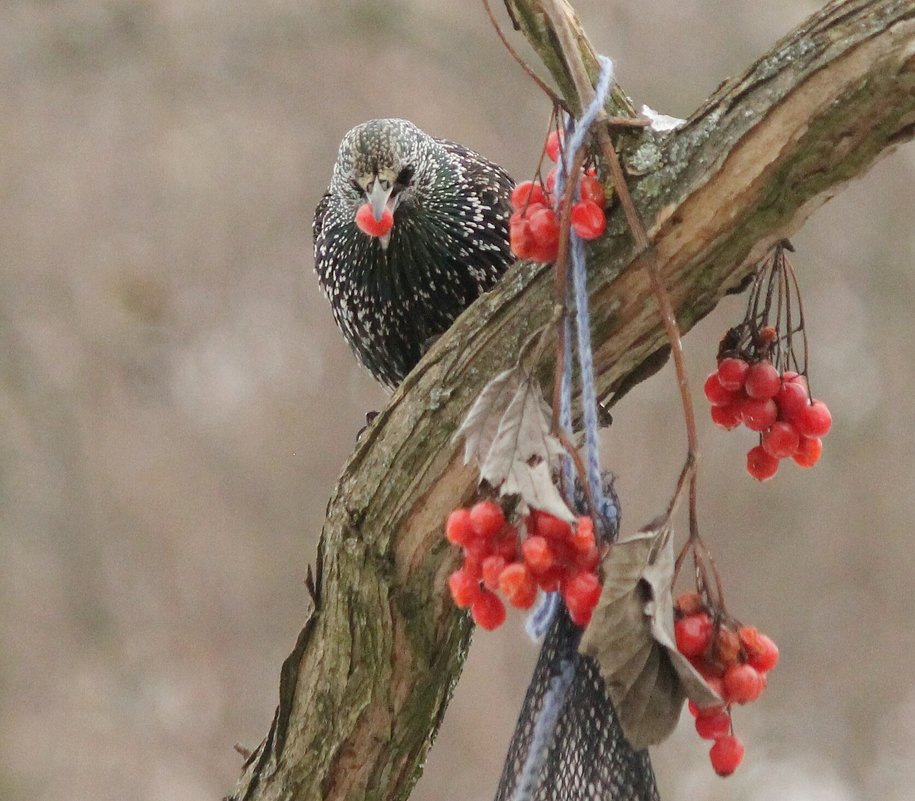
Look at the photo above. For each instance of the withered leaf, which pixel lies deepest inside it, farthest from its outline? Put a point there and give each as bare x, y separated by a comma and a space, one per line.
536, 488
482, 421
523, 434
507, 430
631, 635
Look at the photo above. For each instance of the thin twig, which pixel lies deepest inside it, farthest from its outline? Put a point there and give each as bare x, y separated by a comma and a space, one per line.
560, 277
555, 98
585, 90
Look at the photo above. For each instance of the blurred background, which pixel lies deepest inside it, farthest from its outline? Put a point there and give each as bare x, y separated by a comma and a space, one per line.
176, 402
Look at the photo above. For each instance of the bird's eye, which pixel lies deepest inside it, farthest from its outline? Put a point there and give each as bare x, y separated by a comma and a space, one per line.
357, 186
404, 177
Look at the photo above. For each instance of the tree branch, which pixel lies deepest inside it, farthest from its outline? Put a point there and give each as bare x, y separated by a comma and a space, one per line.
366, 686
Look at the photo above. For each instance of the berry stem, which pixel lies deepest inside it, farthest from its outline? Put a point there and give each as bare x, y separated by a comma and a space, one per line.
789, 269
668, 316
573, 59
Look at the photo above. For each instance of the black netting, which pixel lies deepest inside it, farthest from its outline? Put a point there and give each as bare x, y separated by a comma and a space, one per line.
587, 757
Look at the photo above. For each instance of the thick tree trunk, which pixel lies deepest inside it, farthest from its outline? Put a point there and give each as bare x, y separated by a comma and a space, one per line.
366, 686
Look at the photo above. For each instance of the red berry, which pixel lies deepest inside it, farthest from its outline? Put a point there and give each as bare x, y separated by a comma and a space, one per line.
507, 545
588, 560
538, 554
762, 381
492, 569
726, 754
711, 727
781, 440
531, 209
727, 644
544, 253
551, 181
544, 227
592, 189
749, 637
766, 656
367, 223
465, 589
689, 603
473, 565
525, 193
760, 464
808, 451
716, 394
705, 711
554, 145
458, 529
762, 652
520, 239
583, 588
476, 548
588, 219
518, 585
693, 633
717, 686
708, 669
791, 398
732, 372
813, 420
757, 414
487, 519
581, 595
488, 611
551, 580
582, 540
726, 417
742, 684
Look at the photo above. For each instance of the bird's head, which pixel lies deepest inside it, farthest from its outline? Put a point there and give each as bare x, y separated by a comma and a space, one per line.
379, 165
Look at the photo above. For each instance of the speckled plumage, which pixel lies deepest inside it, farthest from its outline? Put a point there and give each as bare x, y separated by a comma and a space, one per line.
391, 296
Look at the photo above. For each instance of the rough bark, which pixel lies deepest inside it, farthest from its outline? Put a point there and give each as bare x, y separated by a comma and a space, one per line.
365, 688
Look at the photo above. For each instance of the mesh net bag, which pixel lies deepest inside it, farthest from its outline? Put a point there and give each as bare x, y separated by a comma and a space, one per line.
587, 758
568, 744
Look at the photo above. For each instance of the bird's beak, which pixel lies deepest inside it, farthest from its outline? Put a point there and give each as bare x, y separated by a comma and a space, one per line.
378, 197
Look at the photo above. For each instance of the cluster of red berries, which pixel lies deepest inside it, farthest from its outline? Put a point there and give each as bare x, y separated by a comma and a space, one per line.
534, 224
776, 405
540, 551
734, 661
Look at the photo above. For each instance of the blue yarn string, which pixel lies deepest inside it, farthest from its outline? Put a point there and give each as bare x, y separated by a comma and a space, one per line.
544, 728
579, 280
604, 80
586, 363
539, 620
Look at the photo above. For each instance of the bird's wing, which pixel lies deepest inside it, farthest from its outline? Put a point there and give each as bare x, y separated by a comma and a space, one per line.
320, 211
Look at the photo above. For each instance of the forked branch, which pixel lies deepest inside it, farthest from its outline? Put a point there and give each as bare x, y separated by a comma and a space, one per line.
367, 684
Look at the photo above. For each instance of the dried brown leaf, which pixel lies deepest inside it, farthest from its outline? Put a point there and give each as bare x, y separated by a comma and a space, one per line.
508, 432
481, 424
536, 488
631, 636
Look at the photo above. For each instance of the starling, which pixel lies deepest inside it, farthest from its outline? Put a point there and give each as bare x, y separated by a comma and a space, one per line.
393, 294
